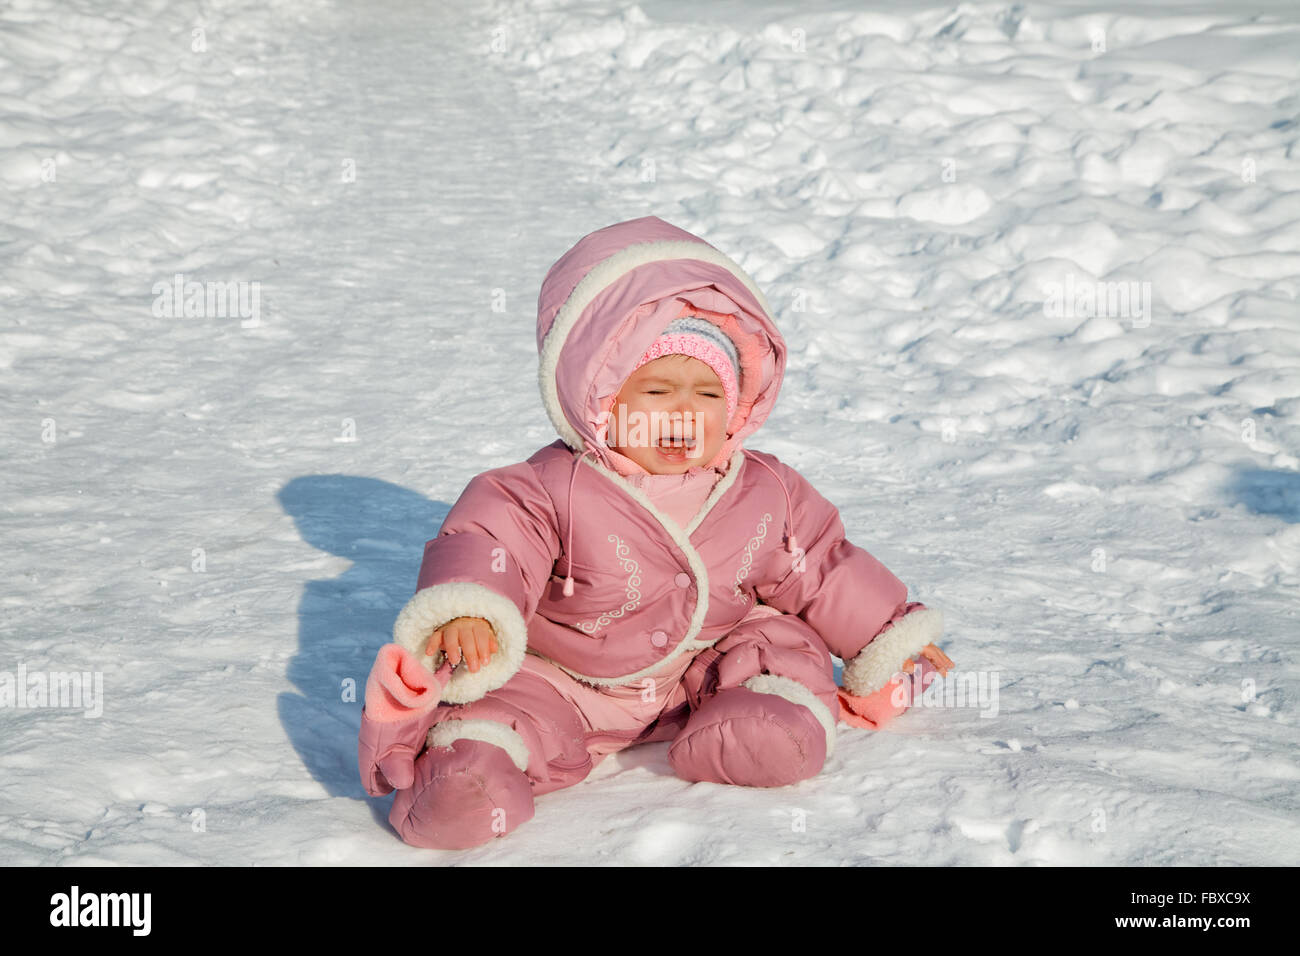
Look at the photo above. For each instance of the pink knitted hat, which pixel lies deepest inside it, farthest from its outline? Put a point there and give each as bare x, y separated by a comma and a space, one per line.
700, 339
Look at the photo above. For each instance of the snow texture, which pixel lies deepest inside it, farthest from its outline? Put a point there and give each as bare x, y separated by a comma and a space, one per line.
221, 513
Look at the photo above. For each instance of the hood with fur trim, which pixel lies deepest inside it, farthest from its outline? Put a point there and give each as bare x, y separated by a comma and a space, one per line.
609, 297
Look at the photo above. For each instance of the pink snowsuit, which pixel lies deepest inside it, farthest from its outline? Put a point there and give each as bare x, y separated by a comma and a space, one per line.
711, 630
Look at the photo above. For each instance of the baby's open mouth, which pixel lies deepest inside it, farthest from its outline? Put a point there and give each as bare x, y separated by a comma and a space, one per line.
678, 442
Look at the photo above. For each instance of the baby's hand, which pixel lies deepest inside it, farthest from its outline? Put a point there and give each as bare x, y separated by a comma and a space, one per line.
471, 637
923, 666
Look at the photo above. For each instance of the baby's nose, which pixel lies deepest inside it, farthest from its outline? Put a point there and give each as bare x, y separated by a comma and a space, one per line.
692, 418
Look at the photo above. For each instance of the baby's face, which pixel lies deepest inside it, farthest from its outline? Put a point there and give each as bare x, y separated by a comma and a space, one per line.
673, 396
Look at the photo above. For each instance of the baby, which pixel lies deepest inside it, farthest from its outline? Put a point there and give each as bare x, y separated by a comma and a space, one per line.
643, 578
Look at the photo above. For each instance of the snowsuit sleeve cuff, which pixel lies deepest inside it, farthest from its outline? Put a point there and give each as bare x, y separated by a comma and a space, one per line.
877, 663
434, 606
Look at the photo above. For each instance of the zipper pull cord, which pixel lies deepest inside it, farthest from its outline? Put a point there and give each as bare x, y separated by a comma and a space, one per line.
568, 581
790, 544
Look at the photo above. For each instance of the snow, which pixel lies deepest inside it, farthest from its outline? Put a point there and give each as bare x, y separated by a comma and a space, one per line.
222, 513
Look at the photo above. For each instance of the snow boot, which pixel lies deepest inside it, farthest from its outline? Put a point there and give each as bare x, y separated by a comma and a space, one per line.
749, 739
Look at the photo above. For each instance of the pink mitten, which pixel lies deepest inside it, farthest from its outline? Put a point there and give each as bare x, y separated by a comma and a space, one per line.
401, 696
461, 797
880, 707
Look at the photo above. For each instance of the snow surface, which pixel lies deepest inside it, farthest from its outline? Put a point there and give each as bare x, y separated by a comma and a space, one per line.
1107, 509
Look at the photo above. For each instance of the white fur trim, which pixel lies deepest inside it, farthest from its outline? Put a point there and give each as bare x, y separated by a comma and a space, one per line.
434, 606
443, 733
720, 489
679, 535
880, 660
796, 693
599, 278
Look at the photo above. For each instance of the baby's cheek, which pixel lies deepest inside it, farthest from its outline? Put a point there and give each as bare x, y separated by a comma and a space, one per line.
717, 431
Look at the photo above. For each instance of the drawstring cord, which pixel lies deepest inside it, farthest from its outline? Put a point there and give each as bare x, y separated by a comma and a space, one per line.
790, 544
588, 448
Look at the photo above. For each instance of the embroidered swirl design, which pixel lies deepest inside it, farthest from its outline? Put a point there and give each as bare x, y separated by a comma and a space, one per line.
748, 559
632, 584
